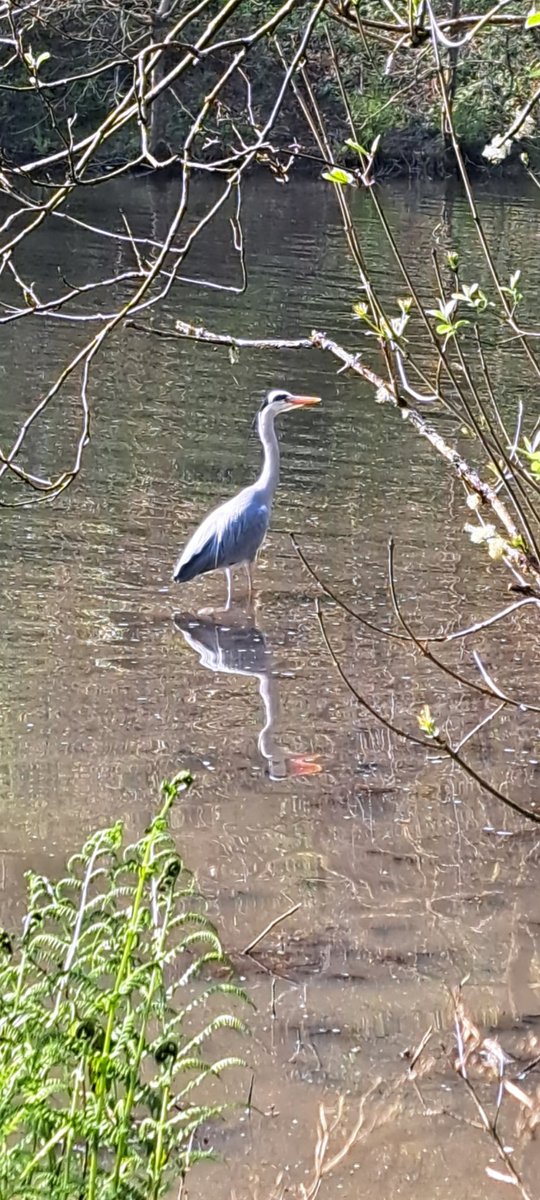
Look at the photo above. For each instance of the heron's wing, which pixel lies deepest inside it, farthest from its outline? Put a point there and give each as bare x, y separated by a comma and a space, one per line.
245, 521
231, 534
201, 553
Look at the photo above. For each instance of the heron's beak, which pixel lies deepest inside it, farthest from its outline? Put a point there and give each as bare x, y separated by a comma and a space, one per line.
304, 401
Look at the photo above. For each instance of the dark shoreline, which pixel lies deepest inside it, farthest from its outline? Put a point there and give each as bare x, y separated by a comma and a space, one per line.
414, 152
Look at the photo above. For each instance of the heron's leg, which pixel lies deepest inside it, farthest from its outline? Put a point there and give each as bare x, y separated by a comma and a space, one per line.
228, 573
249, 573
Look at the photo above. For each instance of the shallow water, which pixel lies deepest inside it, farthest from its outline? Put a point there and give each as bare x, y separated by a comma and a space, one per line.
407, 876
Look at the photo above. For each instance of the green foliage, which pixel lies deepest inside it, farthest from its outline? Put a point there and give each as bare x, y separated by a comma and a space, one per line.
375, 111
493, 80
337, 175
426, 722
103, 1071
446, 324
532, 456
477, 113
389, 95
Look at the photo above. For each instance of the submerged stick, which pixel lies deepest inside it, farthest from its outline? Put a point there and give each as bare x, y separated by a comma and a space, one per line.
272, 925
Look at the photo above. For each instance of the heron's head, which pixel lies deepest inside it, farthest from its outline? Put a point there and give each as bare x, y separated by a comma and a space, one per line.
279, 401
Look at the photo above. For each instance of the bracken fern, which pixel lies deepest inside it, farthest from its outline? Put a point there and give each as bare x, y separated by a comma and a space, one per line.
101, 1056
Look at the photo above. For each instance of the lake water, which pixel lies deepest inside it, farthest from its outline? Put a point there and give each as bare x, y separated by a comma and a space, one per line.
408, 877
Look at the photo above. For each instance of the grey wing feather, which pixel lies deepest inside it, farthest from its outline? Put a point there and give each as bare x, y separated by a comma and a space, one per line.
232, 534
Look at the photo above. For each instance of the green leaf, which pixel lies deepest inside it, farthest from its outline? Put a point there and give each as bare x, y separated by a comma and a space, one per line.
426, 722
360, 150
337, 175
449, 327
532, 20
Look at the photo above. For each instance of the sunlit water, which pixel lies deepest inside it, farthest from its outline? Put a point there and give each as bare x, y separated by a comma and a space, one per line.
408, 877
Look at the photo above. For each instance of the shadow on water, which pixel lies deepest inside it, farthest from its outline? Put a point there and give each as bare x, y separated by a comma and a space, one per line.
238, 646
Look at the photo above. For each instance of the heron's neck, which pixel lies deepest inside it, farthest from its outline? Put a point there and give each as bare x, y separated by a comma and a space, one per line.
269, 476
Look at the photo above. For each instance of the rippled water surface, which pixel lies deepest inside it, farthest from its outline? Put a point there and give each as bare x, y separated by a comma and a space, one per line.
408, 878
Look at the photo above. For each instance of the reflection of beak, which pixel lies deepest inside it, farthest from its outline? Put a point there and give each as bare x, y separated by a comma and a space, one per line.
304, 401
304, 764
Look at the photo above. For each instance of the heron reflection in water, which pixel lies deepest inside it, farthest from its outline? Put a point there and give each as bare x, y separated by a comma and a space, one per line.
242, 649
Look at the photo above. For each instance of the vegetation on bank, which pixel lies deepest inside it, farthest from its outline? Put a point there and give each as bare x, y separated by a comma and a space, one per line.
73, 62
111, 1007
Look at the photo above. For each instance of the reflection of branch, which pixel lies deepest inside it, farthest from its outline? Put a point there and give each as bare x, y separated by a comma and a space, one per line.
437, 738
505, 612
330, 1129
464, 1030
423, 648
323, 1164
328, 591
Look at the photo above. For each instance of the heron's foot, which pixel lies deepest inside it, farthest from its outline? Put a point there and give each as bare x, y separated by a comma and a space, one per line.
234, 612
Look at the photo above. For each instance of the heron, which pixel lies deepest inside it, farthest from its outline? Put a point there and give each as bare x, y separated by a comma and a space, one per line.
234, 532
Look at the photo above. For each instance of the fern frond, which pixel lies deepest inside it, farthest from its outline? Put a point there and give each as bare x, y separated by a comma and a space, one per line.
95, 1069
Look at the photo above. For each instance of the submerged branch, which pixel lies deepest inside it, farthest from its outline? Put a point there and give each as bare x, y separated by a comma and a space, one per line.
271, 925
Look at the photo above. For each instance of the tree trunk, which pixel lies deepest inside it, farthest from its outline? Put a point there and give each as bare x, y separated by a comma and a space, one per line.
157, 115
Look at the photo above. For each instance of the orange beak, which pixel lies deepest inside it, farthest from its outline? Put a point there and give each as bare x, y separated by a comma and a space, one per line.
304, 401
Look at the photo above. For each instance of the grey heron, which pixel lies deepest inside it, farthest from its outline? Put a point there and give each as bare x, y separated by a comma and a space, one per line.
234, 532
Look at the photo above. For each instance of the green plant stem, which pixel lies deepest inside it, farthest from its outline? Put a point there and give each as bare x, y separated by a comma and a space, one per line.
66, 1157
43, 1152
144, 872
156, 1166
134, 1074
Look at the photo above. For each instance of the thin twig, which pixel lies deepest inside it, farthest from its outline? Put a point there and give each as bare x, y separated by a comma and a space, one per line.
271, 925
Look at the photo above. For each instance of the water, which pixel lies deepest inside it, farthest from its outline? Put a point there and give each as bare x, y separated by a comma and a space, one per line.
408, 877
